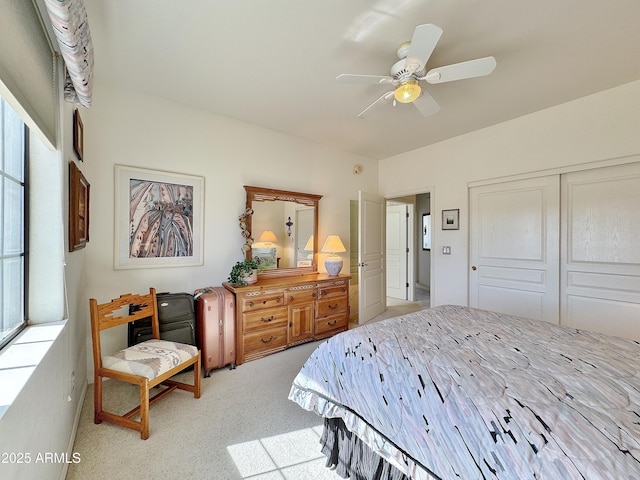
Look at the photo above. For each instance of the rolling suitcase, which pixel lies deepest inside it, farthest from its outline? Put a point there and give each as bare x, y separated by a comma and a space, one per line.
176, 319
216, 325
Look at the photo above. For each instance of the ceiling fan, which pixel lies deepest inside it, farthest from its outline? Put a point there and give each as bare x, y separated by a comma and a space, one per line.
407, 73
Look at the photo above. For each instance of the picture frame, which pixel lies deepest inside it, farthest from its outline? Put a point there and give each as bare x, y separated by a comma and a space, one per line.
426, 231
158, 218
451, 219
78, 135
79, 189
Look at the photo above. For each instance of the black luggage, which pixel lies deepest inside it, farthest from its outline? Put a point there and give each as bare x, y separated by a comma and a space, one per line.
176, 318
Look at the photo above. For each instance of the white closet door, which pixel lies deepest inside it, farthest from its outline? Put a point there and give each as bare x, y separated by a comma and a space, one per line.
600, 250
514, 241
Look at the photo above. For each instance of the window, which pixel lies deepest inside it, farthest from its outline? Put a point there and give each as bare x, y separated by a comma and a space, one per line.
13, 243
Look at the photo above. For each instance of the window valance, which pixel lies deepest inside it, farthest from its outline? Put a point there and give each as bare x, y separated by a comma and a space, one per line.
71, 28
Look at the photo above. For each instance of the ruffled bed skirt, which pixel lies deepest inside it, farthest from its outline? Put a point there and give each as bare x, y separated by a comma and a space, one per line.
351, 457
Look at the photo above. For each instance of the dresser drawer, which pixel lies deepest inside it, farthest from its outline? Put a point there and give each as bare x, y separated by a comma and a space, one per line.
264, 340
264, 318
331, 306
303, 293
332, 323
332, 291
262, 300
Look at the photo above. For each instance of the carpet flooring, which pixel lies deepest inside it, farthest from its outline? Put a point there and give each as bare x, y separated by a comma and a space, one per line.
242, 427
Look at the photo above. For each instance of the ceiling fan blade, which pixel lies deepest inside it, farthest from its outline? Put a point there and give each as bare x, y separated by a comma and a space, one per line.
364, 79
383, 97
426, 104
424, 41
460, 71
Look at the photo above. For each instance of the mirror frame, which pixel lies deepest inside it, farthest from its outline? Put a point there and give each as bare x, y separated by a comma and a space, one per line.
259, 194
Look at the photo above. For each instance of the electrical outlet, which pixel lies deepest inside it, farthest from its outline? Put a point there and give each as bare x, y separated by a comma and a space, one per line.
446, 250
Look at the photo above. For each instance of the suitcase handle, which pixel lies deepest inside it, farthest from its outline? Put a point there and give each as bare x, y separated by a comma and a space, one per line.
266, 320
271, 337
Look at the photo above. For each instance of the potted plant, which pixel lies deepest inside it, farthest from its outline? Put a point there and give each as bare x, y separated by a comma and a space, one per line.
244, 272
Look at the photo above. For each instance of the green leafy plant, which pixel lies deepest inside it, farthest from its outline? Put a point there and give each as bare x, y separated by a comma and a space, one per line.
241, 270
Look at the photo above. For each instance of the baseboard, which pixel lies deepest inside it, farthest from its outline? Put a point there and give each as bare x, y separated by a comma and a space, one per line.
74, 430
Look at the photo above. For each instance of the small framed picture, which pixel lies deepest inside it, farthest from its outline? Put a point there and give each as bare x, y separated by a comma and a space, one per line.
451, 219
78, 135
78, 209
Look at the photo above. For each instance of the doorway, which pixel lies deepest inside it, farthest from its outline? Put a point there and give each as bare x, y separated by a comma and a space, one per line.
408, 257
418, 259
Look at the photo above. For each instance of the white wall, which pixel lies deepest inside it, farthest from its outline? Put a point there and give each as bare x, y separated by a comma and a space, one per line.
42, 418
595, 128
142, 131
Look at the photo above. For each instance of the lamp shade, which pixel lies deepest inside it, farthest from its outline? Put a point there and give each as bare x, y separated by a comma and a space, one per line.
268, 237
333, 244
309, 246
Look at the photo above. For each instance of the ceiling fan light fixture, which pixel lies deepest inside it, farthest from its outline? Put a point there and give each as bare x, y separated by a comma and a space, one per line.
407, 91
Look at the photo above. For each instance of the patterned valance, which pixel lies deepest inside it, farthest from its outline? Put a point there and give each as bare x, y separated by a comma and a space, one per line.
71, 27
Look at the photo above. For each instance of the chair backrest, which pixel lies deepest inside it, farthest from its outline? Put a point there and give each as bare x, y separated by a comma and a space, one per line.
125, 309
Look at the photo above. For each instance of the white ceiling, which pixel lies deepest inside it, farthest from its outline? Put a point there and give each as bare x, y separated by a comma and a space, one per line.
273, 63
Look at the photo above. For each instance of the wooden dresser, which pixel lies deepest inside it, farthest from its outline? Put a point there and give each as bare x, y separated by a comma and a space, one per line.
276, 313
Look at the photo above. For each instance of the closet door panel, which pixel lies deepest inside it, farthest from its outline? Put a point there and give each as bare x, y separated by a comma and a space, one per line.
600, 251
514, 241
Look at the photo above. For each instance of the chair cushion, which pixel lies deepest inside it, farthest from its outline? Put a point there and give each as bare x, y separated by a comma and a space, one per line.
150, 358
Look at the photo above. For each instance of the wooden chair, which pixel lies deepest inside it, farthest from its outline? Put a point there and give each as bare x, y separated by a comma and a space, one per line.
147, 364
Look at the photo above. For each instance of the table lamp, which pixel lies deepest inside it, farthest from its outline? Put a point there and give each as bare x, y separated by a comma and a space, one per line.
333, 263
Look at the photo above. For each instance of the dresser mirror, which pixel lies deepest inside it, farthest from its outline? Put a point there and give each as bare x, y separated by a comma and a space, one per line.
281, 231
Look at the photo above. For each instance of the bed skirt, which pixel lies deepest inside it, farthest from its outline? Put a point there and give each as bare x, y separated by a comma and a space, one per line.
351, 457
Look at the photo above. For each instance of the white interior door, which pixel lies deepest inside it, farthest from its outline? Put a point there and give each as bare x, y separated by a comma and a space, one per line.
396, 228
371, 253
514, 241
600, 274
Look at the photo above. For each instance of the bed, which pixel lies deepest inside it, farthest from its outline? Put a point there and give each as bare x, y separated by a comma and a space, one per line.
454, 392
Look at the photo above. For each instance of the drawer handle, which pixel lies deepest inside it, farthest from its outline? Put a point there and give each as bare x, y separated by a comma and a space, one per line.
266, 320
324, 292
278, 299
271, 337
331, 324
333, 307
251, 304
313, 294
291, 298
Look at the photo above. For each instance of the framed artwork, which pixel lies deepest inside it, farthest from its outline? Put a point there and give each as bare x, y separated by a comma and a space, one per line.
78, 208
78, 135
451, 219
426, 231
158, 218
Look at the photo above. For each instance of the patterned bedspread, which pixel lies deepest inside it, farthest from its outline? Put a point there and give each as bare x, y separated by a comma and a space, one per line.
469, 394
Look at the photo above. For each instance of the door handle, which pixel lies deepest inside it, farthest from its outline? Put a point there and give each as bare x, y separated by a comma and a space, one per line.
474, 268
